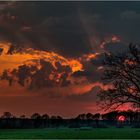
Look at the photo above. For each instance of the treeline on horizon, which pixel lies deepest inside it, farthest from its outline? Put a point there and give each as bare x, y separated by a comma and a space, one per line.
132, 119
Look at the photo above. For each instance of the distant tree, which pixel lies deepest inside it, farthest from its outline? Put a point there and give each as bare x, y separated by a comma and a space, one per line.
89, 116
22, 117
56, 121
111, 116
122, 74
45, 116
53, 117
81, 116
59, 117
96, 116
45, 120
23, 123
132, 116
7, 115
36, 116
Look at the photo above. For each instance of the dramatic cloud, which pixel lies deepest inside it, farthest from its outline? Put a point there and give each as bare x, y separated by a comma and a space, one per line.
72, 29
37, 69
52, 53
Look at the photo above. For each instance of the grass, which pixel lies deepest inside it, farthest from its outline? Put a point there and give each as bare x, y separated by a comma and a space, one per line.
95, 133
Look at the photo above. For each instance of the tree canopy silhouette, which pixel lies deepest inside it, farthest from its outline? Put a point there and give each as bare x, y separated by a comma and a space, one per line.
122, 73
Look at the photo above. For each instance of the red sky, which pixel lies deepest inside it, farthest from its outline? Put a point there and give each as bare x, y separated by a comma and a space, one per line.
51, 53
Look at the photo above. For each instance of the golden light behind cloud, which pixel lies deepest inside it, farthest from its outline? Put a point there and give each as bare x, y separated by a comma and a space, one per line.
30, 56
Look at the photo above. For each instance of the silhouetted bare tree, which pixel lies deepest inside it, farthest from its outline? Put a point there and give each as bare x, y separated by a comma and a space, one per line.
122, 73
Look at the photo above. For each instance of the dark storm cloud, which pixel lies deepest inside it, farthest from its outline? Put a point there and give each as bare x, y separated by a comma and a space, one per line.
115, 48
34, 78
69, 28
66, 35
50, 27
119, 18
91, 69
80, 74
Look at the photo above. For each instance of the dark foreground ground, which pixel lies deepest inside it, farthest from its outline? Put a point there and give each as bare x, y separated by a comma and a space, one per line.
61, 133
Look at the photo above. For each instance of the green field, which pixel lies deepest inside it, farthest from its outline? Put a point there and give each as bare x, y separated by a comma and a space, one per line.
98, 133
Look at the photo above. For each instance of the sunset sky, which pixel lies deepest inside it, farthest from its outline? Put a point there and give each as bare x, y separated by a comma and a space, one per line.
51, 53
